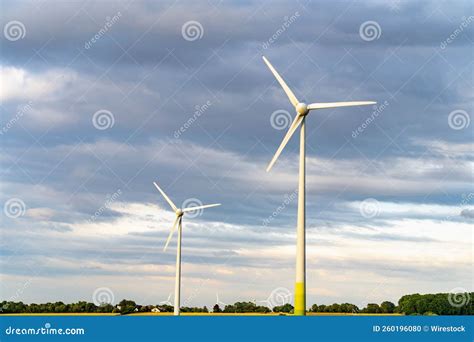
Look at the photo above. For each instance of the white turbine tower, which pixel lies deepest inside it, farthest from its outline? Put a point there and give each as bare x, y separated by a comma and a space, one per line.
302, 109
177, 224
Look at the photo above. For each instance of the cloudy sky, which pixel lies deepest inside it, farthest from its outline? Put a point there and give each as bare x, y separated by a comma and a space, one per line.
100, 99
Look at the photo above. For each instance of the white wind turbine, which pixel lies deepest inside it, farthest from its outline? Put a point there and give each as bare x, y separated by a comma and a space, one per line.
302, 109
219, 303
167, 301
177, 224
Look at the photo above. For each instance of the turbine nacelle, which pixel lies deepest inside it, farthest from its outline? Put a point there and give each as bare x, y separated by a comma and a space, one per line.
179, 212
302, 108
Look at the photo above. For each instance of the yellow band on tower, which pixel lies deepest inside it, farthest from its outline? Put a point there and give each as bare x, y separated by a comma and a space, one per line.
300, 299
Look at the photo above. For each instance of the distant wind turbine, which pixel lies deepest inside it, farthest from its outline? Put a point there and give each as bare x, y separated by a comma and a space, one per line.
177, 224
219, 303
168, 301
302, 109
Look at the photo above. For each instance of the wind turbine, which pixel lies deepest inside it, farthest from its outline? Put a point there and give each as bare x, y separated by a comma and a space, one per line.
168, 301
177, 224
219, 303
302, 109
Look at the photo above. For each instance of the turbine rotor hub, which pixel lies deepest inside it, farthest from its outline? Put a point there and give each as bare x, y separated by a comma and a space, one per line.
302, 108
179, 212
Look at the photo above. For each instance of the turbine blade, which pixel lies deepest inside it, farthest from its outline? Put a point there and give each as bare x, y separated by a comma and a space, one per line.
280, 80
296, 122
171, 233
200, 207
339, 104
166, 197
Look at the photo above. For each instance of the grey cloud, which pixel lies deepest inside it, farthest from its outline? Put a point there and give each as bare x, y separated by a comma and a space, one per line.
467, 213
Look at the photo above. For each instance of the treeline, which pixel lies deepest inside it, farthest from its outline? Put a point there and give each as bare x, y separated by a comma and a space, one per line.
437, 304
384, 308
414, 304
124, 307
128, 306
241, 307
